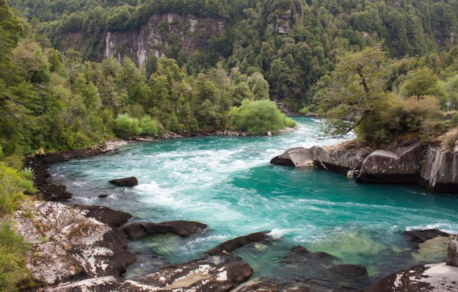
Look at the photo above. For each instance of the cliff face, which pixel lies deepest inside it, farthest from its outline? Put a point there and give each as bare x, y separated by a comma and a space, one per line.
158, 37
440, 171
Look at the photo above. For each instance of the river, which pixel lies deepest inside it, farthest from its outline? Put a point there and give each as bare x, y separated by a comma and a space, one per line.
228, 183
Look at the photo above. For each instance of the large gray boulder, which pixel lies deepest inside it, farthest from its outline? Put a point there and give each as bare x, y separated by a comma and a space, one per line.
181, 228
440, 171
65, 244
297, 157
340, 158
401, 166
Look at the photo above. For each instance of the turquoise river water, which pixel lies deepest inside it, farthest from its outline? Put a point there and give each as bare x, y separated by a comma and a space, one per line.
228, 183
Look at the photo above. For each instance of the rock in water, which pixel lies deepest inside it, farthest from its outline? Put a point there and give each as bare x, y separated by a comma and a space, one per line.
351, 273
420, 236
235, 243
182, 228
125, 182
105, 215
452, 253
297, 157
383, 166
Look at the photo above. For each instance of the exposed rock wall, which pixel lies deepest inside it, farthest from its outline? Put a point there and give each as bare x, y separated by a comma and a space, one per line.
440, 171
155, 37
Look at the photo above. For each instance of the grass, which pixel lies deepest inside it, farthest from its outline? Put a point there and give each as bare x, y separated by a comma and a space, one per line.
13, 250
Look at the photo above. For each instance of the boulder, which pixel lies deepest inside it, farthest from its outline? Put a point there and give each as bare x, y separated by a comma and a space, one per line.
341, 158
103, 196
420, 236
195, 276
230, 245
384, 166
297, 157
452, 253
125, 182
67, 245
349, 273
301, 255
181, 228
440, 171
105, 215
435, 277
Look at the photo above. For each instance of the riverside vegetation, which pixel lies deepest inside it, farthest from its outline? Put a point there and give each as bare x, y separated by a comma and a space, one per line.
381, 68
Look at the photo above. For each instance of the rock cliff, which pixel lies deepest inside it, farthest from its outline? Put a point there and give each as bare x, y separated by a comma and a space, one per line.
158, 35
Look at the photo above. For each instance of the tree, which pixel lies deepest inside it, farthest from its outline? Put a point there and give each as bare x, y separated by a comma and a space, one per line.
420, 83
259, 117
356, 93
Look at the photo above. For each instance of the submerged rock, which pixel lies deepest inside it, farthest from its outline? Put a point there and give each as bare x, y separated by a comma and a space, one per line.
301, 255
67, 245
104, 214
125, 182
182, 228
230, 245
349, 273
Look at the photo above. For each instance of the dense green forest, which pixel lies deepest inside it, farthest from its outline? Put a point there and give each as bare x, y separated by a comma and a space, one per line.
282, 49
293, 43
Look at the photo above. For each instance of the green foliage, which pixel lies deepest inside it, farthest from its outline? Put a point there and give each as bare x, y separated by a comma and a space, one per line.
356, 95
13, 251
149, 127
127, 126
259, 117
13, 183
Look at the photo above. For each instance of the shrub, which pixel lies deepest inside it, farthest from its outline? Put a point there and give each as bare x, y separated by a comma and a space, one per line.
149, 126
259, 117
12, 185
13, 250
127, 126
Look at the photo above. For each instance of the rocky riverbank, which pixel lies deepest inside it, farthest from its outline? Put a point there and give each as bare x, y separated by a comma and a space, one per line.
82, 248
402, 162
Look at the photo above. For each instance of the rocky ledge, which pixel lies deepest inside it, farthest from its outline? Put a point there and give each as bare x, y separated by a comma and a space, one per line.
67, 245
400, 162
40, 163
